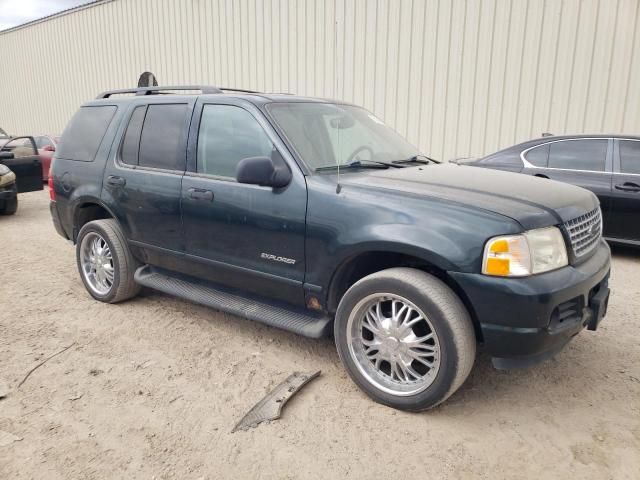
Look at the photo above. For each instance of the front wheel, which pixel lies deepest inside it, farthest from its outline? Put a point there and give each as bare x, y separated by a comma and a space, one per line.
405, 338
10, 207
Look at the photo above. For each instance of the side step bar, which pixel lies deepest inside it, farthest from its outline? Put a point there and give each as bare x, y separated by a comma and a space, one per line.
296, 320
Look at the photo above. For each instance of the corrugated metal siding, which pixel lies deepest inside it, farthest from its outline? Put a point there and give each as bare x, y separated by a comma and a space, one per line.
458, 78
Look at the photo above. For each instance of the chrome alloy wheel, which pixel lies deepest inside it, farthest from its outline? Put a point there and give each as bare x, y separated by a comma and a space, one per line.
97, 263
393, 344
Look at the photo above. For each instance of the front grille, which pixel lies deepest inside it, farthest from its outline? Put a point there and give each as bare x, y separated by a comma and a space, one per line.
585, 232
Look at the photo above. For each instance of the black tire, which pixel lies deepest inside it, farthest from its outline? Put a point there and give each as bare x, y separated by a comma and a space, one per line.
124, 286
448, 317
10, 207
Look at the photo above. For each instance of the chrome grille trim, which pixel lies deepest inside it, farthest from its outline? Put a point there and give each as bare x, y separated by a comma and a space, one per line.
585, 232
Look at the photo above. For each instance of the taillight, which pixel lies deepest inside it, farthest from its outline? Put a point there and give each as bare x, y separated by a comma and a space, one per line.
52, 193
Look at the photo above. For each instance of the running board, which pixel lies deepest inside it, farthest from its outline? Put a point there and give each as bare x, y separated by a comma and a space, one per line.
296, 320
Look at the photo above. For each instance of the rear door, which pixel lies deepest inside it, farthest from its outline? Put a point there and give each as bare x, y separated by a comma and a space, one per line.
585, 162
625, 199
144, 174
25, 163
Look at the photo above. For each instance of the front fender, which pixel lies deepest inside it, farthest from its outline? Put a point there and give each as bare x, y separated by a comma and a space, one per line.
447, 235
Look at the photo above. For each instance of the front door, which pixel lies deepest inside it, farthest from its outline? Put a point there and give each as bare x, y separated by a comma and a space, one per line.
625, 199
243, 236
23, 160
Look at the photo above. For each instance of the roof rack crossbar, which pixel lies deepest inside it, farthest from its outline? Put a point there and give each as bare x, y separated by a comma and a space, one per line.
205, 89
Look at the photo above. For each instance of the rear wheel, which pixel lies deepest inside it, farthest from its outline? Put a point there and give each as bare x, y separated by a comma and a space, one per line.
10, 207
405, 338
105, 263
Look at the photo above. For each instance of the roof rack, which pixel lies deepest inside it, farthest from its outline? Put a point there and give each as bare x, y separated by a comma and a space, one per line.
154, 90
240, 90
205, 89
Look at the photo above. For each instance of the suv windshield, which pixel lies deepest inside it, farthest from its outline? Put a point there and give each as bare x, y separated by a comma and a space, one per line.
326, 135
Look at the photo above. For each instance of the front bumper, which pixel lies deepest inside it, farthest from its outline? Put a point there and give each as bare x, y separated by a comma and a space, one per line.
526, 320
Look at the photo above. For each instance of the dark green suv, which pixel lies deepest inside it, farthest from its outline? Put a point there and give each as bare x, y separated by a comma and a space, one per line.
313, 216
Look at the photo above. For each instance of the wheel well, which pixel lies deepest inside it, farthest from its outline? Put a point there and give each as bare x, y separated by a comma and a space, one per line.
365, 264
87, 213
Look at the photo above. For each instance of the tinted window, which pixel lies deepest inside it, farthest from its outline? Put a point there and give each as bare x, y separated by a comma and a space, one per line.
131, 142
227, 135
538, 156
82, 137
629, 157
578, 155
163, 139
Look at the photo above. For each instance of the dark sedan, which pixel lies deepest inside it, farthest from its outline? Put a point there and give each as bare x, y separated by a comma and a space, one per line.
608, 165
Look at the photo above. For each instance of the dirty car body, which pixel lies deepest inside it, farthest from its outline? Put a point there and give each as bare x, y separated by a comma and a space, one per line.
278, 234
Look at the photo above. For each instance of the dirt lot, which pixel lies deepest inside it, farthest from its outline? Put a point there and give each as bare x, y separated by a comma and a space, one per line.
152, 388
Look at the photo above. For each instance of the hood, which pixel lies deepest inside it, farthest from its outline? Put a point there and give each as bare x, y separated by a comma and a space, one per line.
531, 201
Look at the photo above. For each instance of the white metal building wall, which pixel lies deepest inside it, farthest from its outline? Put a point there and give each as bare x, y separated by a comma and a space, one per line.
456, 77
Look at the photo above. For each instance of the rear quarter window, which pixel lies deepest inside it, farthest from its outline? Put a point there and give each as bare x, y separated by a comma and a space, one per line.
84, 133
511, 158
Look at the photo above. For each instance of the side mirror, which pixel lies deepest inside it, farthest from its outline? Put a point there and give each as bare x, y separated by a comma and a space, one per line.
262, 171
6, 155
49, 148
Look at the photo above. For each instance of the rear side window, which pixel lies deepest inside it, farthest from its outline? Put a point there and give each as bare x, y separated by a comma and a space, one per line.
163, 138
227, 135
579, 155
83, 136
131, 142
630, 157
538, 156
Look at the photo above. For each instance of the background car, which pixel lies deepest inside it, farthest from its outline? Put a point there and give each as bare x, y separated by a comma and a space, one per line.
608, 165
46, 145
21, 156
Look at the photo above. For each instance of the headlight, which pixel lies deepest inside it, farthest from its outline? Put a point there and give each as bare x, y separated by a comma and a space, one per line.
532, 252
6, 176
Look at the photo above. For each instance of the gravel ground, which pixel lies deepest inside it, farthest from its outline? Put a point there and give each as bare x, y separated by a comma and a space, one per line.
152, 387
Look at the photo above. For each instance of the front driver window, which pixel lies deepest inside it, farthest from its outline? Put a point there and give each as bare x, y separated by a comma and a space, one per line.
20, 147
227, 135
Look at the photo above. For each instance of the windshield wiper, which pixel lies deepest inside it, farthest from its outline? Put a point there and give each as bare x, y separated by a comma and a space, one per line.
417, 159
360, 164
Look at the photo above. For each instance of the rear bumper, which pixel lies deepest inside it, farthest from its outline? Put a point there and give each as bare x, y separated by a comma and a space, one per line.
527, 320
55, 217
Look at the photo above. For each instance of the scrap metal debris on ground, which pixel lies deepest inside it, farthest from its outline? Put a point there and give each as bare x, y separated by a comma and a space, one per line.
270, 407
